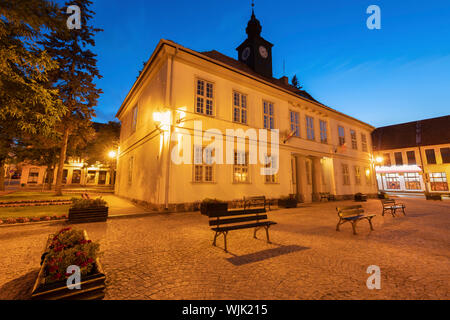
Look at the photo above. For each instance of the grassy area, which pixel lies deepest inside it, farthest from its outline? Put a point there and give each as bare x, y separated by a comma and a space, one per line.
30, 212
33, 195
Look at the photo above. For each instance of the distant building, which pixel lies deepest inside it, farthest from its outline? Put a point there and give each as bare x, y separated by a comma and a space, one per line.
75, 173
413, 156
321, 149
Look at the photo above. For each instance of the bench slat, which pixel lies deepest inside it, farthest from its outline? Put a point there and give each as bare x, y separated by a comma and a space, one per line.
239, 212
244, 226
215, 222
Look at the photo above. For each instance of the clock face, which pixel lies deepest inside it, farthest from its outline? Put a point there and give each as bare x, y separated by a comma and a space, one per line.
246, 53
263, 52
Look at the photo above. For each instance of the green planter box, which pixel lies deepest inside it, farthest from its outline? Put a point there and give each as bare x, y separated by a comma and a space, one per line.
96, 214
287, 203
360, 197
206, 208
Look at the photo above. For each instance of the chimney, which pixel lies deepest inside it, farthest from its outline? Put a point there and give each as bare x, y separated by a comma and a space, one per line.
285, 80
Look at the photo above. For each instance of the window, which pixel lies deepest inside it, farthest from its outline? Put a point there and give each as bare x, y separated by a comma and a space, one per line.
392, 181
102, 177
310, 128
203, 170
130, 170
76, 176
33, 176
411, 155
387, 159
270, 163
412, 181
341, 133
357, 175
364, 142
445, 153
134, 115
345, 175
241, 168
268, 115
91, 177
398, 158
65, 173
438, 181
239, 107
354, 142
295, 125
368, 176
323, 132
431, 156
205, 97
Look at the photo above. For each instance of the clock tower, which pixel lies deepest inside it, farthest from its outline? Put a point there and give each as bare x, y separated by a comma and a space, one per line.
255, 51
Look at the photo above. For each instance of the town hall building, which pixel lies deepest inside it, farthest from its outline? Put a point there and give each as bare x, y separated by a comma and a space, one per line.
320, 149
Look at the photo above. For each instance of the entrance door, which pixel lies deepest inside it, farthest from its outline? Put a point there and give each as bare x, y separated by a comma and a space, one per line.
102, 177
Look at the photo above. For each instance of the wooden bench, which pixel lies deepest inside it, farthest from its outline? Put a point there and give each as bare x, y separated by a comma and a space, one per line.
353, 214
253, 215
390, 204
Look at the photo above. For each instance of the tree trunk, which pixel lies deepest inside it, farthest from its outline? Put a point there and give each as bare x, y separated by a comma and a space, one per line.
2, 175
62, 159
50, 177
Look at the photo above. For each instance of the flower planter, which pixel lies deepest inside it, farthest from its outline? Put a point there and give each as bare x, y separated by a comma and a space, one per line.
92, 285
207, 208
287, 203
360, 197
430, 196
93, 214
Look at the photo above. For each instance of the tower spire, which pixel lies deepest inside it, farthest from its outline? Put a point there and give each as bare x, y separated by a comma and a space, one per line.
253, 7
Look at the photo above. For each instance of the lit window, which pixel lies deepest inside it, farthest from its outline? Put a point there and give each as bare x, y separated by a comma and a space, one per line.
239, 107
364, 142
270, 163
353, 137
392, 181
203, 171
323, 132
241, 168
310, 128
205, 98
341, 133
438, 181
295, 123
268, 111
345, 174
368, 176
412, 181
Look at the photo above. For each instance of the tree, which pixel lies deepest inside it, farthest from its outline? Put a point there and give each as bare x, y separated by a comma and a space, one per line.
27, 104
295, 83
74, 78
106, 139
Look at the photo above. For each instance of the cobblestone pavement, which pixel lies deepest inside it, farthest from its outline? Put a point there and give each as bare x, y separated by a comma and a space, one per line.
170, 256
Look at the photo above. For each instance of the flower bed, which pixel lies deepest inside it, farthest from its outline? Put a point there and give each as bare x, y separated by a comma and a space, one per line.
67, 248
32, 219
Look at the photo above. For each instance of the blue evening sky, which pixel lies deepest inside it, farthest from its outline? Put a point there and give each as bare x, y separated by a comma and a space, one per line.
397, 74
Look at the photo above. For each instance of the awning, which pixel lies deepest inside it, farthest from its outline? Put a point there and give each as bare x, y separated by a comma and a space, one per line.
398, 169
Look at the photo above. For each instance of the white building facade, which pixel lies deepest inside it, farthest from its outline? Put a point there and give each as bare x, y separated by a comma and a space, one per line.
320, 149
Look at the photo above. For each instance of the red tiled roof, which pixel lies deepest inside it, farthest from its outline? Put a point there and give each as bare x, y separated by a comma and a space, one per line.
405, 135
